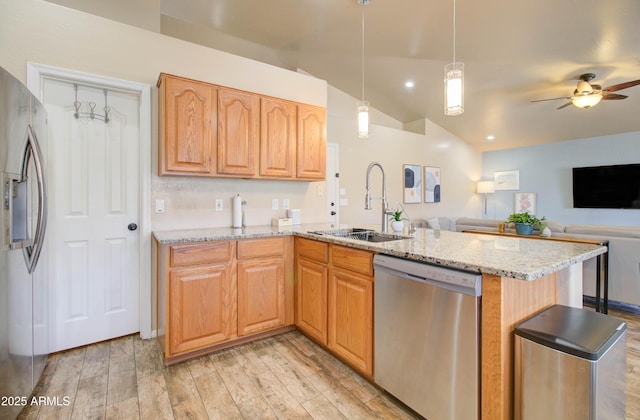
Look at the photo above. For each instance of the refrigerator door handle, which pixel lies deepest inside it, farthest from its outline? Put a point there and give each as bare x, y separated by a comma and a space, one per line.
32, 151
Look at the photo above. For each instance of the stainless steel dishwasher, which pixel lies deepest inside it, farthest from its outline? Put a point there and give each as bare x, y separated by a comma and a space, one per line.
427, 337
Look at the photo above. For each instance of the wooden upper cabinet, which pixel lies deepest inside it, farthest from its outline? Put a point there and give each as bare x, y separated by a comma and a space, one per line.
277, 138
187, 127
238, 123
312, 142
209, 130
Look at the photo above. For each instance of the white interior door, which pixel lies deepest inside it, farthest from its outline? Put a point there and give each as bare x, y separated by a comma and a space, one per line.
93, 171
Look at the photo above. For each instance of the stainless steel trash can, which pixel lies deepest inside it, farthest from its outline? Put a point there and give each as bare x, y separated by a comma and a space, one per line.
570, 364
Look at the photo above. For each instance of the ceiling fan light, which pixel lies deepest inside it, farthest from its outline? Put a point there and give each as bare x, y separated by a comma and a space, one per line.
584, 88
586, 101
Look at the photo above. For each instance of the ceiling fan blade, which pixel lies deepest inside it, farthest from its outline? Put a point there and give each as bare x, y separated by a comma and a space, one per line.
551, 99
610, 96
621, 86
564, 106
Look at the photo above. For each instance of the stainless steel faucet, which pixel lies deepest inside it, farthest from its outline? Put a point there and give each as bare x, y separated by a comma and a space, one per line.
367, 203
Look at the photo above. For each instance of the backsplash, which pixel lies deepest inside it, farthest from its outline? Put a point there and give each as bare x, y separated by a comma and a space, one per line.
190, 202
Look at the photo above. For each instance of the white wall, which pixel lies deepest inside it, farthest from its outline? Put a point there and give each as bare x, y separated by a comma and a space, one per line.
460, 165
546, 170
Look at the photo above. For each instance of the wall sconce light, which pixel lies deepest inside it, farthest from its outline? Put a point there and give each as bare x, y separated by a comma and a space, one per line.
484, 188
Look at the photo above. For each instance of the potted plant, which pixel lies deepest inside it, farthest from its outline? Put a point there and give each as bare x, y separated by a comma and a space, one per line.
525, 222
396, 222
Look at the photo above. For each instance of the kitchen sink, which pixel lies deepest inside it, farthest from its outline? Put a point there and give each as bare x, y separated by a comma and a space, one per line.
367, 235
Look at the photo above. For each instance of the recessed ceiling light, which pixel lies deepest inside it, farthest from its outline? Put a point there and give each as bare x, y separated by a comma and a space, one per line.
409, 83
491, 137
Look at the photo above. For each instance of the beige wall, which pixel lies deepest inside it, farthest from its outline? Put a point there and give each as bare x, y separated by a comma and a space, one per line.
460, 164
37, 31
142, 13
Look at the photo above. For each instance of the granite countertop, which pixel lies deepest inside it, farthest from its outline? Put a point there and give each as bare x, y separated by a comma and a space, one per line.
520, 258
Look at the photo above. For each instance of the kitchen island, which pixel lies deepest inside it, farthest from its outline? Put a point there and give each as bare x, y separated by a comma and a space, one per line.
520, 277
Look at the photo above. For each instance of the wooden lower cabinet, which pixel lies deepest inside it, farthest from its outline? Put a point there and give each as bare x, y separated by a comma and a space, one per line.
200, 308
216, 294
261, 285
334, 306
311, 310
351, 318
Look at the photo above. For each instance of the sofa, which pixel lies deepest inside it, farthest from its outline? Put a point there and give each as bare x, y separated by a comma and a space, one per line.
624, 251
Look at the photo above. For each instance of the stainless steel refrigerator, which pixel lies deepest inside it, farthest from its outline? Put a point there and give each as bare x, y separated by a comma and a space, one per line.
23, 323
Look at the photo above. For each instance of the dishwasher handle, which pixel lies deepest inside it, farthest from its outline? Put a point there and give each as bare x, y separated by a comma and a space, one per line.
465, 283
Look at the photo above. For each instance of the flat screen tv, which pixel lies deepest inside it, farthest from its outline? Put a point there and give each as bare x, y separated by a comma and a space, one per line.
607, 187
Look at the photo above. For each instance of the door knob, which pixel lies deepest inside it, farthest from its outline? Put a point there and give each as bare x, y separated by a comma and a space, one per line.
132, 226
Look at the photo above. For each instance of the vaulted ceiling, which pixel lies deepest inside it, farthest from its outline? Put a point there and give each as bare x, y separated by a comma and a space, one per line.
514, 52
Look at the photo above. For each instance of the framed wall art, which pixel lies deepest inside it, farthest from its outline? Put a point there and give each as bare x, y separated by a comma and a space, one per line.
506, 180
525, 202
431, 184
412, 184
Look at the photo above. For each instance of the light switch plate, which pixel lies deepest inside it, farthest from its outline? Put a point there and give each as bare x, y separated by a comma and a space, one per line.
159, 205
274, 204
285, 203
218, 204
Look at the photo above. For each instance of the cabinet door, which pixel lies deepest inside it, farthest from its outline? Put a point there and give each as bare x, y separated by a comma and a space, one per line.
187, 122
200, 307
311, 292
277, 138
351, 318
261, 297
311, 148
237, 132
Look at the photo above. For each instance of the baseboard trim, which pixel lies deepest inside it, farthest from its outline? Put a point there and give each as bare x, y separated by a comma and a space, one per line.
590, 301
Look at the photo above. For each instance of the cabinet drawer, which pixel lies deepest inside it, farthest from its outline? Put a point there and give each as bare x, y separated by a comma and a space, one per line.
201, 253
256, 248
352, 259
315, 250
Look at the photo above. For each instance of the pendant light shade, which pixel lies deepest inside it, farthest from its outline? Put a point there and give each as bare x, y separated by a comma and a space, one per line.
454, 88
454, 80
363, 106
363, 119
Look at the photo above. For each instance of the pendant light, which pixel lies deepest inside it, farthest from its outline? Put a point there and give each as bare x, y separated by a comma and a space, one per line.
363, 106
454, 80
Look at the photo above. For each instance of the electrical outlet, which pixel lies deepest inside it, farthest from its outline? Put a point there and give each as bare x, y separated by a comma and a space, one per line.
159, 205
285, 203
320, 190
218, 204
274, 204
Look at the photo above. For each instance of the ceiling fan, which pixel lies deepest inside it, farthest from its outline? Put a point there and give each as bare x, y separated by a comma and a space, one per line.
587, 95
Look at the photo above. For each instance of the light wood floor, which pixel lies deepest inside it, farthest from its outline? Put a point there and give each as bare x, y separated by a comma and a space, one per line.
280, 377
